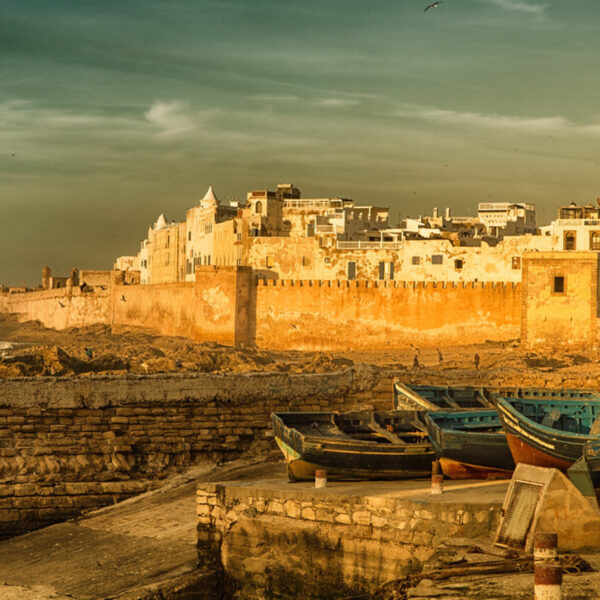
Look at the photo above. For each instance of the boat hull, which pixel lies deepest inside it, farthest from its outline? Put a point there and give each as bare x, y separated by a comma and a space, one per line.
307, 449
470, 454
533, 443
363, 463
524, 452
460, 470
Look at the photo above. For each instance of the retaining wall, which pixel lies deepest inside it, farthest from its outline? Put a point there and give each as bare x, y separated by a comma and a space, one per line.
273, 542
70, 444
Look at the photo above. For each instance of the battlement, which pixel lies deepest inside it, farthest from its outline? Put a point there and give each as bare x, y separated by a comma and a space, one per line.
375, 283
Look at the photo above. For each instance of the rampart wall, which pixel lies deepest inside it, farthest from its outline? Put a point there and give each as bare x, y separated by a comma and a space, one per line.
73, 444
337, 315
60, 308
226, 305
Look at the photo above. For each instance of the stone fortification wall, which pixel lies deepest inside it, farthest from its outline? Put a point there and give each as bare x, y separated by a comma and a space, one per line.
272, 542
337, 315
60, 308
70, 444
215, 307
166, 308
225, 305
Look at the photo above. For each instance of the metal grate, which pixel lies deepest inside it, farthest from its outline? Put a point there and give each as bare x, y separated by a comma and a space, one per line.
519, 513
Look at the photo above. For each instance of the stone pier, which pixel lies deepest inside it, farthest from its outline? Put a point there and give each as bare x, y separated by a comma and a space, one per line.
282, 540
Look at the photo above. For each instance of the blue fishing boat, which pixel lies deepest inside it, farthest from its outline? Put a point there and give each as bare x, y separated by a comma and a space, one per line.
470, 444
432, 397
550, 432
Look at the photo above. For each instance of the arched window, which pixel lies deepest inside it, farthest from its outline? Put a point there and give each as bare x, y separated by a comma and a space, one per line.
570, 240
595, 240
258, 208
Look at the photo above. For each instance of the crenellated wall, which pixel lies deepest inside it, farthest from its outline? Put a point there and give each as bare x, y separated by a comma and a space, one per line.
227, 305
378, 315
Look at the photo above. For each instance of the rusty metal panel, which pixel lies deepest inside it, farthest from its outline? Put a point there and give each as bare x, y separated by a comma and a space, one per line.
524, 496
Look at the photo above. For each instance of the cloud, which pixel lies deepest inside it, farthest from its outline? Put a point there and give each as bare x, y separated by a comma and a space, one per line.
520, 6
336, 102
170, 118
530, 125
276, 97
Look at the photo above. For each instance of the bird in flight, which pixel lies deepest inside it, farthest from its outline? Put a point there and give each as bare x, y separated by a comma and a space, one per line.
434, 5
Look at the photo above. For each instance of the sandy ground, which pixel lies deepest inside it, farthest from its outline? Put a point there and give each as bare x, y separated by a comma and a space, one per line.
29, 349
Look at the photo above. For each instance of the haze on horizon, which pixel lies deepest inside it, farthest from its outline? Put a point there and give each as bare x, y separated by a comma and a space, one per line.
114, 112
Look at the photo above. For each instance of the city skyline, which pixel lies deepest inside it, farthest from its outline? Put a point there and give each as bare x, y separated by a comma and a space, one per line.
116, 113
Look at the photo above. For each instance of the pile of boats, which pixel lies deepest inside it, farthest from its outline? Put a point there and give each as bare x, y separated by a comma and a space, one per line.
478, 433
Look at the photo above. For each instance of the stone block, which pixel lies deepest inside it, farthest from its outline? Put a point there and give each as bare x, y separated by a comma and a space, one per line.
361, 517
343, 518
308, 514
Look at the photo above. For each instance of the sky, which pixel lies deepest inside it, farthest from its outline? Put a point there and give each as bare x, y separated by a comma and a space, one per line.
113, 112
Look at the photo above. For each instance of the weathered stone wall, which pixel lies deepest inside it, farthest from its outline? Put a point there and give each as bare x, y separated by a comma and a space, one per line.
226, 306
68, 444
566, 318
339, 315
60, 308
303, 543
165, 308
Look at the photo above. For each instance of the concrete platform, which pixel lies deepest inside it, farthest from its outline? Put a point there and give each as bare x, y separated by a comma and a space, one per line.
416, 490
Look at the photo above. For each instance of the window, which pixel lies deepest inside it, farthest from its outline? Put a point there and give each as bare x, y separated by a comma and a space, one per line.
258, 208
269, 262
458, 264
570, 240
351, 269
516, 262
391, 270
595, 240
558, 285
255, 231
327, 260
310, 229
189, 236
381, 270
416, 260
306, 261
437, 259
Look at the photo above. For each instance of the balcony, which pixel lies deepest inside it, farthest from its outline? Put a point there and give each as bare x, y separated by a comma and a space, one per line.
361, 245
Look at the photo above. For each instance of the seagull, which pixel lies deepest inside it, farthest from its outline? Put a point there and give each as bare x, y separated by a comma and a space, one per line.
434, 5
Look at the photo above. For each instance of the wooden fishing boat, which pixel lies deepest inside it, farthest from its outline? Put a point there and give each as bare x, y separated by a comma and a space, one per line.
431, 397
549, 433
354, 445
470, 444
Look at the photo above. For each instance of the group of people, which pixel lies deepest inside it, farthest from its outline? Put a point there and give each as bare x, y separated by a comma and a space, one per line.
418, 365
